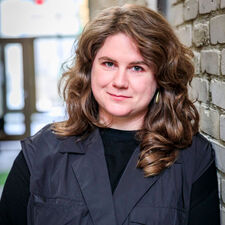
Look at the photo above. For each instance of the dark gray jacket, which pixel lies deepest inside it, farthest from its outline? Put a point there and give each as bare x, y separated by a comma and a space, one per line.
69, 184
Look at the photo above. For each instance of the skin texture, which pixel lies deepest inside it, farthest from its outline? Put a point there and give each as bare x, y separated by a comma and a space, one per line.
122, 84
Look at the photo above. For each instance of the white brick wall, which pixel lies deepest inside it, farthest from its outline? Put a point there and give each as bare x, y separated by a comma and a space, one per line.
185, 35
177, 14
206, 6
217, 29
222, 215
222, 4
207, 19
210, 61
190, 9
223, 189
220, 155
200, 89
209, 121
201, 34
222, 128
218, 93
197, 62
223, 62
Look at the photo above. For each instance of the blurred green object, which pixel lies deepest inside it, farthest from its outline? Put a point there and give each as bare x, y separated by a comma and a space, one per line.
3, 177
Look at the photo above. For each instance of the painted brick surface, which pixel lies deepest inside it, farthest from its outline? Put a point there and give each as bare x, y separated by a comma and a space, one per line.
185, 35
220, 156
222, 216
197, 62
201, 34
223, 61
223, 189
209, 121
190, 9
219, 184
217, 29
197, 106
222, 127
210, 61
218, 93
200, 89
174, 1
177, 14
222, 4
206, 6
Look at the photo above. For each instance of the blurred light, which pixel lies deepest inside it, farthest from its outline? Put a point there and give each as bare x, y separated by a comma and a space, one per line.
39, 2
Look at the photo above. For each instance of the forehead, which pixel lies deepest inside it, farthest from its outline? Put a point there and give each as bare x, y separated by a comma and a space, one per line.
120, 44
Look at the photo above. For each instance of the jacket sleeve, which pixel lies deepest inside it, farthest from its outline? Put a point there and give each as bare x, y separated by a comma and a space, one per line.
204, 201
204, 156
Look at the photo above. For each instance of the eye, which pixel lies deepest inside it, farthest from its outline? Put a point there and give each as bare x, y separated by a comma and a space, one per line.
137, 69
108, 64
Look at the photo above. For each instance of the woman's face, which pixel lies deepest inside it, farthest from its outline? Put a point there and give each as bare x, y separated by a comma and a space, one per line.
122, 83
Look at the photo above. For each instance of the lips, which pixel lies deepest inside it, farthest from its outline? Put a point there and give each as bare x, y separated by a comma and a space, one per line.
118, 96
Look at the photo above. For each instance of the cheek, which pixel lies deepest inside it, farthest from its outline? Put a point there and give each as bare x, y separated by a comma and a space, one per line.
146, 87
98, 78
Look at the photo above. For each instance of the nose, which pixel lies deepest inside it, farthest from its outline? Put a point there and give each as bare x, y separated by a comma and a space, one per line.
120, 79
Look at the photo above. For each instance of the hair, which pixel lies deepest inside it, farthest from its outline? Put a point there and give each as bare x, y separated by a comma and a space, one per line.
169, 124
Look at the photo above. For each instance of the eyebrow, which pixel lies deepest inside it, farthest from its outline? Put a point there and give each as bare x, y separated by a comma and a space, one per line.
106, 58
132, 63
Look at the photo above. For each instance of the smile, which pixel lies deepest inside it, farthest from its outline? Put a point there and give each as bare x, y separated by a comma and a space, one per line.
118, 96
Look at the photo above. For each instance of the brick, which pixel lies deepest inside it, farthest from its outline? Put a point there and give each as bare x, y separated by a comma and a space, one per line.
217, 29
220, 155
223, 190
210, 61
222, 4
209, 121
200, 89
173, 2
177, 14
219, 178
192, 93
218, 93
190, 9
197, 62
222, 127
223, 61
185, 35
222, 216
206, 6
201, 34
197, 106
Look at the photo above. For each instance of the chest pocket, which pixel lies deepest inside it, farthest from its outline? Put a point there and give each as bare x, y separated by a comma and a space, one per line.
146, 215
57, 211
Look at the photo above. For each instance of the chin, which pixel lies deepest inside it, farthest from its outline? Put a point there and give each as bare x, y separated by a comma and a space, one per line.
119, 113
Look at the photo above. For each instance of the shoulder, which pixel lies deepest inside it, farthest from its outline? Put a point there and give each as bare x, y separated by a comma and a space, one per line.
198, 156
39, 146
42, 136
202, 148
46, 146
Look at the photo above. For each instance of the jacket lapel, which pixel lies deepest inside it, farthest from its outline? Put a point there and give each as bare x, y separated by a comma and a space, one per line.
91, 172
131, 187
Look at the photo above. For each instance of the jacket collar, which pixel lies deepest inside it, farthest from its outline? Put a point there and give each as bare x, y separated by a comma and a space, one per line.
90, 170
73, 144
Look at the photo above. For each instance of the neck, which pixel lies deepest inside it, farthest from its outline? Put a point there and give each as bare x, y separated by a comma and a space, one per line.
122, 123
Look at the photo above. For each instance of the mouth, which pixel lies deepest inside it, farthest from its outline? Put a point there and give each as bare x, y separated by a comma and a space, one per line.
118, 96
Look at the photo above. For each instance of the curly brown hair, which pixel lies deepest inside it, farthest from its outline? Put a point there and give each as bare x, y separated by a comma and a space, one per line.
170, 124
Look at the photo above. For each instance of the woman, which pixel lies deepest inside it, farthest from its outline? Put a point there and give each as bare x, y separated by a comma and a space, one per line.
130, 151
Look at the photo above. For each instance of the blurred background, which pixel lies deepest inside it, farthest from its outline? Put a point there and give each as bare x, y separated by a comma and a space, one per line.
36, 38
